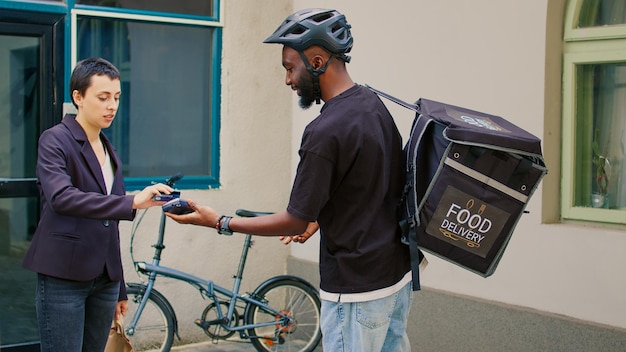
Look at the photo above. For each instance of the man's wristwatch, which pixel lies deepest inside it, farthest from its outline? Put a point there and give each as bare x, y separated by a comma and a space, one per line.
222, 225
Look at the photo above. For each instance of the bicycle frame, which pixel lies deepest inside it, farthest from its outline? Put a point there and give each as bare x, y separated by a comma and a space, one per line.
207, 287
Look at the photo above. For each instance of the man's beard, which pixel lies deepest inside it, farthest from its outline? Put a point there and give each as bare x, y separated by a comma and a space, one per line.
306, 93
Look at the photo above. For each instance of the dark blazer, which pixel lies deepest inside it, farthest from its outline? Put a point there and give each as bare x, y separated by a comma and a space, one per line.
77, 237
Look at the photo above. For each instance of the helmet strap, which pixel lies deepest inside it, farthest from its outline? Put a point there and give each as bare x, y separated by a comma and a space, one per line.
315, 74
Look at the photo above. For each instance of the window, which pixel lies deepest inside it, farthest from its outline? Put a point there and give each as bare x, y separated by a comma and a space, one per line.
594, 112
189, 7
168, 119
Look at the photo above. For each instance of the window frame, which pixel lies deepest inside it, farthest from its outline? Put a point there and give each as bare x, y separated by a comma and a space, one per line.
188, 182
575, 34
584, 46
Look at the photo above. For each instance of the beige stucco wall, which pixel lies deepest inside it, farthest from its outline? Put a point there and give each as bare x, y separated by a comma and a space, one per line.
255, 169
484, 54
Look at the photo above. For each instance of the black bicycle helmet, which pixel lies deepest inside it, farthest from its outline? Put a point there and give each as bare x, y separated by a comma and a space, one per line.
323, 27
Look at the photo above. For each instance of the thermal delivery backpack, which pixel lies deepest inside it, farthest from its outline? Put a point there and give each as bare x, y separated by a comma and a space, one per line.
469, 177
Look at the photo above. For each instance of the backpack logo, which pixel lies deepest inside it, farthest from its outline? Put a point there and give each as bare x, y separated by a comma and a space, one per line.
466, 222
478, 121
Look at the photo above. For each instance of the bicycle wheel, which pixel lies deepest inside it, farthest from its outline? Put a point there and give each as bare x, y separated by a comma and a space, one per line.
155, 328
293, 299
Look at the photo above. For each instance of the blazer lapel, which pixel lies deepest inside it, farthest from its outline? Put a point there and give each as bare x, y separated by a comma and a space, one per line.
86, 150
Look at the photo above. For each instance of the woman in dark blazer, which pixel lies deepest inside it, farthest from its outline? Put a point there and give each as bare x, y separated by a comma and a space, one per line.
75, 250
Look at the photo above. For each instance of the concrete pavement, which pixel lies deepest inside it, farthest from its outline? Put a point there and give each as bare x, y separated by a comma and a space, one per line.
223, 346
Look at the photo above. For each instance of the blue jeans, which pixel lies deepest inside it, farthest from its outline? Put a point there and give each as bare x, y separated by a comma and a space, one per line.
75, 316
378, 325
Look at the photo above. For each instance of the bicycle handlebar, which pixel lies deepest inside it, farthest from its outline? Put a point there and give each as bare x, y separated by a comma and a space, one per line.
172, 180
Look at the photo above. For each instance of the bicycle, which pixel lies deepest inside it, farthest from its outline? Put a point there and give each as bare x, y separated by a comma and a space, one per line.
281, 314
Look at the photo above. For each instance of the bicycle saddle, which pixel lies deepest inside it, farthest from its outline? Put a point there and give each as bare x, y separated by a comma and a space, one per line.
250, 214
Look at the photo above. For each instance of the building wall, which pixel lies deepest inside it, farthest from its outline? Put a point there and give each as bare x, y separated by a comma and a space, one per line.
255, 170
500, 57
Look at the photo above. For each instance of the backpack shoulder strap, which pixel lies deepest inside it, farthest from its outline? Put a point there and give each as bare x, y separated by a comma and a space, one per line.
400, 102
408, 207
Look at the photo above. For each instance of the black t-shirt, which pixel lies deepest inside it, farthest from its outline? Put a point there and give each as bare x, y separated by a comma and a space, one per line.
350, 179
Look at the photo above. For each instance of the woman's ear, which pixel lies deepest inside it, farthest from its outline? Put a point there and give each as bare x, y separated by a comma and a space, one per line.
76, 97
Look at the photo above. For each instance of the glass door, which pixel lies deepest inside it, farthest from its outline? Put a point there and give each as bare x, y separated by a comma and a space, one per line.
32, 72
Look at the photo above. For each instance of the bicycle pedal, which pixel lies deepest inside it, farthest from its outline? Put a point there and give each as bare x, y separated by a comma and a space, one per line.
202, 323
206, 323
